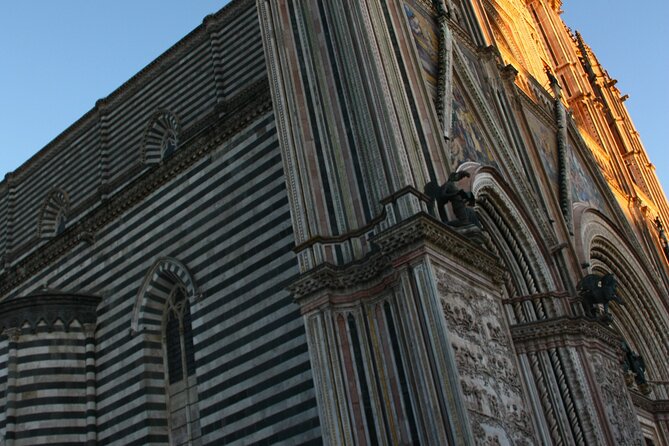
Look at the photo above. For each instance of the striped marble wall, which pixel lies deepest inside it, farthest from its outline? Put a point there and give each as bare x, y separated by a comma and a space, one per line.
46, 390
225, 217
213, 63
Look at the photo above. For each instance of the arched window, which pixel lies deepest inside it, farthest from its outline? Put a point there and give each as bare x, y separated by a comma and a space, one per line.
53, 215
179, 362
161, 137
162, 313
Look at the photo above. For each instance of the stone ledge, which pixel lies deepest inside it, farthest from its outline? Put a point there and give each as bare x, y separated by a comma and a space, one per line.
424, 228
376, 270
563, 332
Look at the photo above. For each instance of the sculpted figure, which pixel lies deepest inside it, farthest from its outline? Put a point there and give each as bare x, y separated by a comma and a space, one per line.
461, 201
634, 365
595, 290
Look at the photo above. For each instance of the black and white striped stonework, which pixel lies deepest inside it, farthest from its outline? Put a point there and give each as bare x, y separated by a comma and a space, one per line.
227, 220
242, 63
104, 149
219, 231
45, 389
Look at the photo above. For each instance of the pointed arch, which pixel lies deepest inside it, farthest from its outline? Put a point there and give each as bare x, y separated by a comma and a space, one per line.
53, 214
161, 137
165, 274
162, 319
642, 321
513, 234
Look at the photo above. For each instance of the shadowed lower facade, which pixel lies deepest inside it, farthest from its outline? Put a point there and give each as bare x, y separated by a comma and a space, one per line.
385, 222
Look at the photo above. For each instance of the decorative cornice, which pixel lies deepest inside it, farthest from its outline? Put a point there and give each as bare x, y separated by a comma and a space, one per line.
357, 275
199, 140
652, 406
376, 269
423, 228
561, 332
48, 306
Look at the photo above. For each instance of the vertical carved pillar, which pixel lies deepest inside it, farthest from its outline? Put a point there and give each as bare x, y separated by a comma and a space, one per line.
215, 54
383, 369
351, 127
9, 227
445, 79
564, 157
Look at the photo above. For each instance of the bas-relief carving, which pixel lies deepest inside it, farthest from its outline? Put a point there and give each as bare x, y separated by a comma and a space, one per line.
489, 377
617, 404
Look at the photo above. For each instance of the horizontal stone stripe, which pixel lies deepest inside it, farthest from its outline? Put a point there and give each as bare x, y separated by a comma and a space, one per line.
255, 405
230, 390
270, 420
54, 343
47, 384
46, 417
242, 339
50, 432
142, 372
129, 412
53, 371
54, 399
121, 364
148, 439
247, 356
132, 430
50, 409
305, 433
134, 216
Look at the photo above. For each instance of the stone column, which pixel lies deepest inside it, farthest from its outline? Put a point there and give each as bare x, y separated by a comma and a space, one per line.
383, 365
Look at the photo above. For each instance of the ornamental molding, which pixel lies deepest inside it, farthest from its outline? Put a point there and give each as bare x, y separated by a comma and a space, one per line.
652, 406
357, 276
200, 140
377, 271
424, 229
562, 332
48, 306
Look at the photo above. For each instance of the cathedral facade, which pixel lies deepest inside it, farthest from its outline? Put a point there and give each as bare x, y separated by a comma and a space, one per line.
347, 223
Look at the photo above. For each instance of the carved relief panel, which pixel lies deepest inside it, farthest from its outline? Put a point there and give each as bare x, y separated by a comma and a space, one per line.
623, 423
489, 375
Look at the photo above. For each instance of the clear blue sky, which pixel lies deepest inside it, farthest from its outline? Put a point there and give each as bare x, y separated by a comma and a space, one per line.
631, 41
59, 57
